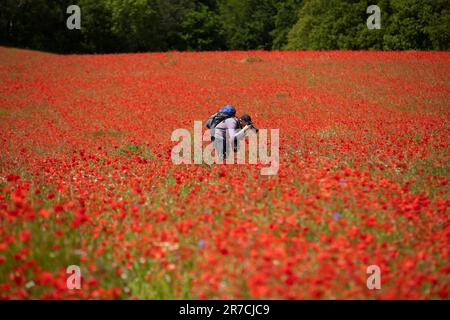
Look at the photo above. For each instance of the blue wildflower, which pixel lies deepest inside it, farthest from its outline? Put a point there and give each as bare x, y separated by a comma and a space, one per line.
201, 244
336, 216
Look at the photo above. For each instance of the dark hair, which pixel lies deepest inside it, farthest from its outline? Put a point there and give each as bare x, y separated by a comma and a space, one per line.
246, 118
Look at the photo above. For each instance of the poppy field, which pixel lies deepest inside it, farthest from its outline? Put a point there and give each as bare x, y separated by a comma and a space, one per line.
86, 176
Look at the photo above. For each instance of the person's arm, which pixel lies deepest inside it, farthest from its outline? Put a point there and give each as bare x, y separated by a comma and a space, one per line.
233, 132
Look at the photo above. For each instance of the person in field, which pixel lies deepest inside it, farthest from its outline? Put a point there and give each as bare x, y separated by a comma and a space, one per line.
227, 130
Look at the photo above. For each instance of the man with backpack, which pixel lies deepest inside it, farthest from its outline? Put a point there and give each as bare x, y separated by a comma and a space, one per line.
226, 130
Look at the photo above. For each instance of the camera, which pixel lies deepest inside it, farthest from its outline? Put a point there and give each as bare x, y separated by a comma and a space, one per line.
249, 121
252, 127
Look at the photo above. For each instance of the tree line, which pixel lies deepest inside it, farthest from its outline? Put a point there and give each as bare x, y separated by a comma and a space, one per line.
162, 25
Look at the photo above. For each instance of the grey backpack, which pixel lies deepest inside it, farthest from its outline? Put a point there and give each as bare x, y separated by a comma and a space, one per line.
214, 120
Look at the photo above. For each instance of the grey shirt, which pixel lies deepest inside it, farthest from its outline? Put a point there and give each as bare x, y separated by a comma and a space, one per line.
227, 130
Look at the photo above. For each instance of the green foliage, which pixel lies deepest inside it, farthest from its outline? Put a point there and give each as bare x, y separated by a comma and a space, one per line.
97, 23
405, 25
418, 24
133, 23
284, 20
162, 25
37, 24
329, 24
201, 29
129, 150
247, 24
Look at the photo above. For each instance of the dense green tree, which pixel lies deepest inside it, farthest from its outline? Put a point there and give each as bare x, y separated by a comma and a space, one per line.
418, 24
8, 16
201, 29
327, 24
284, 20
438, 30
97, 22
133, 24
161, 25
247, 24
37, 24
366, 38
406, 24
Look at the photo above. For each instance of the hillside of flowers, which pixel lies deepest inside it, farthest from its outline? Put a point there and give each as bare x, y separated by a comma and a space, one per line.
86, 176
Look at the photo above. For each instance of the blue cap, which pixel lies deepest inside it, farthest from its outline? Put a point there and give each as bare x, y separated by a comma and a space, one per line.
229, 110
